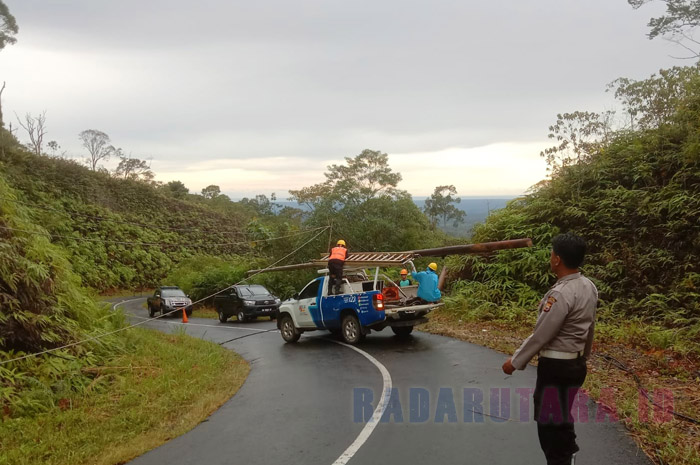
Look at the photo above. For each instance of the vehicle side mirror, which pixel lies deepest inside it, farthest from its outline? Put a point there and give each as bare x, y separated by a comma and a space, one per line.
296, 296
187, 295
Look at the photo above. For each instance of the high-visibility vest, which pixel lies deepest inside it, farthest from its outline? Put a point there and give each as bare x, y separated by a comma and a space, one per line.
338, 253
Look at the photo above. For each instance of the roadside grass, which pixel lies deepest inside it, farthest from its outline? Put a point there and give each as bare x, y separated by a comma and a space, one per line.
206, 312
126, 293
164, 387
664, 438
209, 312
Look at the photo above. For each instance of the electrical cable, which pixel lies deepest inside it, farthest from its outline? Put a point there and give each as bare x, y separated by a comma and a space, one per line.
99, 336
618, 364
248, 335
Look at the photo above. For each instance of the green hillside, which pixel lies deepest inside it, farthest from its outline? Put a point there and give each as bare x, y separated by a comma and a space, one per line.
121, 233
634, 195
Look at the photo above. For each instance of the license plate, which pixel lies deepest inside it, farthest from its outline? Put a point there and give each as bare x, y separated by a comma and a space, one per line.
268, 309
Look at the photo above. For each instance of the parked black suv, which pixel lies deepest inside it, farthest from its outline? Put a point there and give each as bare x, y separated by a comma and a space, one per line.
246, 301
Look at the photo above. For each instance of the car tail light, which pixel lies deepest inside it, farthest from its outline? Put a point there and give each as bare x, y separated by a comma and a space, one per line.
378, 300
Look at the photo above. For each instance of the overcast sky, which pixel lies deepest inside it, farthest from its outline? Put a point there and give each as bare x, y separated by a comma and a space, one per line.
258, 97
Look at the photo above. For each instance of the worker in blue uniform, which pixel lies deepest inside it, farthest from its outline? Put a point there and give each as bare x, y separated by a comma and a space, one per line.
427, 284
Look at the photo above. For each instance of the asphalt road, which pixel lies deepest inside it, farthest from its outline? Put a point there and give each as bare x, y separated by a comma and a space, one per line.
303, 404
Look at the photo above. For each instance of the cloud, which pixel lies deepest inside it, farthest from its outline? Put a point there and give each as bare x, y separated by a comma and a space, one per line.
316, 80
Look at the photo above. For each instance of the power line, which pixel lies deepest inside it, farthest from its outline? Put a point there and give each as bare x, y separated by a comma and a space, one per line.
644, 391
99, 336
155, 244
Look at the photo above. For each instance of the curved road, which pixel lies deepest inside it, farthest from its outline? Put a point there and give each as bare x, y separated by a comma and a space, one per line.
303, 404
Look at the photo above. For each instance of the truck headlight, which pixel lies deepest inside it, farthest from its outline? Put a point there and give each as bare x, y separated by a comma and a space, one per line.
277, 301
249, 302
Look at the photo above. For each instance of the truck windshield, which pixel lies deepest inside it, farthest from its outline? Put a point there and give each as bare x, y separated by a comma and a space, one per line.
173, 293
253, 290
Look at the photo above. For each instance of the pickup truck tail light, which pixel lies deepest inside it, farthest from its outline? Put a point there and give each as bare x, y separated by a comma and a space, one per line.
378, 301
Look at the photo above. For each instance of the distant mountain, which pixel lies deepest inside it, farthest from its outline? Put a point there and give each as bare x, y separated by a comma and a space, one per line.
477, 209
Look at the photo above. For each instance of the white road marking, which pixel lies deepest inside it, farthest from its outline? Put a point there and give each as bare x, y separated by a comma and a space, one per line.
114, 307
378, 412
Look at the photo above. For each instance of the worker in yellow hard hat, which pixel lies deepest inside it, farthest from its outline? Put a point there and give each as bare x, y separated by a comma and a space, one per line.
405, 281
427, 283
336, 261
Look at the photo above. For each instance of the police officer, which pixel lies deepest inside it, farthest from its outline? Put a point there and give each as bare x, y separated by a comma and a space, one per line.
562, 337
336, 262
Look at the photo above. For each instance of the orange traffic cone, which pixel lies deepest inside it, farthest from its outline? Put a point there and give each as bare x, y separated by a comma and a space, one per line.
184, 315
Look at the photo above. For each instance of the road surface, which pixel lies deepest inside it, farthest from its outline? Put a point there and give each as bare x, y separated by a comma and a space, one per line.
305, 403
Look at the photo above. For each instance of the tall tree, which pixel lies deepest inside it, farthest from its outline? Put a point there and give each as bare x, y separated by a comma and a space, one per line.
261, 204
364, 177
133, 169
677, 25
211, 192
440, 206
8, 26
8, 29
176, 189
35, 126
653, 101
98, 147
578, 135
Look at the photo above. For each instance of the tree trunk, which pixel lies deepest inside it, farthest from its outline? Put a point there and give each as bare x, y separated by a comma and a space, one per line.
2, 123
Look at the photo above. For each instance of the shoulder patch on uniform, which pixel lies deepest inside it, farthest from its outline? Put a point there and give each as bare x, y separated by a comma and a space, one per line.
551, 300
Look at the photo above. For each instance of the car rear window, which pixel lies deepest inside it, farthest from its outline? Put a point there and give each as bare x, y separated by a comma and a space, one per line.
173, 293
253, 290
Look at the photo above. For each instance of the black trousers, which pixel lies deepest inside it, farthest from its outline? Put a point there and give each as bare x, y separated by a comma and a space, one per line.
335, 273
558, 381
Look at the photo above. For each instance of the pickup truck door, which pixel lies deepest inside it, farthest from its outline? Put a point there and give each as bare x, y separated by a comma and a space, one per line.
307, 305
232, 302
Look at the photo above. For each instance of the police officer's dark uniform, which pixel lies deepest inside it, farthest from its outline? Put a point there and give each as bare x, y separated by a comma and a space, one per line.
563, 337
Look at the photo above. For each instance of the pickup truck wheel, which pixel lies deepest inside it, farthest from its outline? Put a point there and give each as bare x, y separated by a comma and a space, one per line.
289, 332
151, 312
351, 331
222, 317
402, 331
241, 316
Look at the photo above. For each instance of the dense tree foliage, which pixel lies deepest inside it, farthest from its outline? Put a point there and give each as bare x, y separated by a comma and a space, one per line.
677, 25
43, 306
636, 200
362, 203
8, 26
439, 207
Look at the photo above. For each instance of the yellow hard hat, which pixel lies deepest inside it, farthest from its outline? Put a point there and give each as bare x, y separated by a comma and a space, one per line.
404, 271
341, 242
433, 266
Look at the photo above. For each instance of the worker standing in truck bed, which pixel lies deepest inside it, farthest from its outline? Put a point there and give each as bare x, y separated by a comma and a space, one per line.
336, 262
